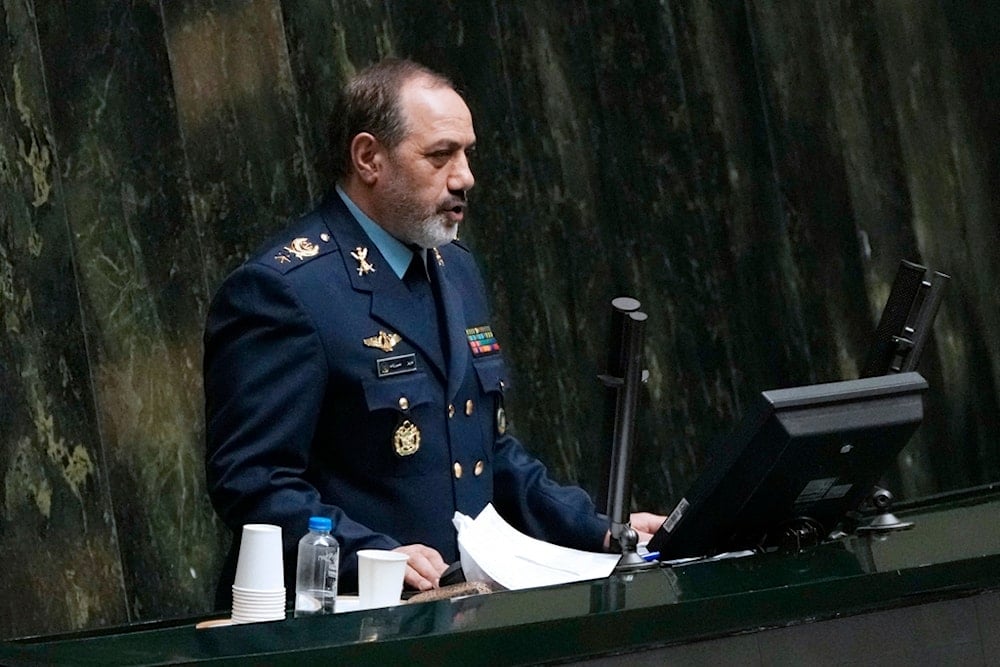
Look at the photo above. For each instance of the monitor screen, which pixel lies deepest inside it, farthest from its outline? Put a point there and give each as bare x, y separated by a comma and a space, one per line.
801, 456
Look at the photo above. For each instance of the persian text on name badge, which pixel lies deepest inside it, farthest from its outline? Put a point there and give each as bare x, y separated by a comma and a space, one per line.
404, 363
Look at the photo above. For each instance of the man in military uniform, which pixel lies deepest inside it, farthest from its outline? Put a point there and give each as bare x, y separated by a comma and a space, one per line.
351, 370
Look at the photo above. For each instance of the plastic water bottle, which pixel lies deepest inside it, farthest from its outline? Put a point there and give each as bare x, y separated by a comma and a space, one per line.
316, 574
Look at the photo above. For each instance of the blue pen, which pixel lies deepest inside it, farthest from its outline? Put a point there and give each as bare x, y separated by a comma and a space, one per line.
651, 556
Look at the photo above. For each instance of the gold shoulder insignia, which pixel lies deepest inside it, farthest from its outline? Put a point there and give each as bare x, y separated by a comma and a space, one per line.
302, 248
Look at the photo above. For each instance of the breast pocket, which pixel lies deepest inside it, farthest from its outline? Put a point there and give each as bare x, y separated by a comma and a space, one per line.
491, 372
401, 438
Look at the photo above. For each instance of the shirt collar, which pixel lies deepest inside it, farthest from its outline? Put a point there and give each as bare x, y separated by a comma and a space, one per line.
396, 253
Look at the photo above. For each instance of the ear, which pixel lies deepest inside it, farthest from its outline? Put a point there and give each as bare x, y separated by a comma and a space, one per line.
366, 155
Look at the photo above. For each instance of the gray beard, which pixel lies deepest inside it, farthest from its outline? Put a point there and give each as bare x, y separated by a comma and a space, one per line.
404, 220
428, 232
432, 231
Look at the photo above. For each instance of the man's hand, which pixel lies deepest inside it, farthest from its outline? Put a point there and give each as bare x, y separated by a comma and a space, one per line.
424, 567
644, 523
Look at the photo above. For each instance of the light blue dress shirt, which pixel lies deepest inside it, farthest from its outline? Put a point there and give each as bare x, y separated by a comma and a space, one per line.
396, 253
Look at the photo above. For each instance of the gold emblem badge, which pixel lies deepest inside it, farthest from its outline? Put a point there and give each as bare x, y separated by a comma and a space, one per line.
383, 341
302, 248
361, 254
406, 439
437, 256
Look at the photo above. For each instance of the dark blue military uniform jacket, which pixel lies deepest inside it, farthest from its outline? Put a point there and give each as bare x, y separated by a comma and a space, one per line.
305, 418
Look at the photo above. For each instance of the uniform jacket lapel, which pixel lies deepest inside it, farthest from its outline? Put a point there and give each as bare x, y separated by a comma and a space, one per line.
455, 325
391, 301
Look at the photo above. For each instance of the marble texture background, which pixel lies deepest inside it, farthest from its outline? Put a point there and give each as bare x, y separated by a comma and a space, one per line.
752, 172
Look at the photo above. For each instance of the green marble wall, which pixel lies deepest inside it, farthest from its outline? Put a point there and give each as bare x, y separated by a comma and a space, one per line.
752, 172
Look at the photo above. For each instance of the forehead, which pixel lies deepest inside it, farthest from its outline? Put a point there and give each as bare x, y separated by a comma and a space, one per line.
435, 113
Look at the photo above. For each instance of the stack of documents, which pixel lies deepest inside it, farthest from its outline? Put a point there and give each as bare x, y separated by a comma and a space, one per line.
495, 552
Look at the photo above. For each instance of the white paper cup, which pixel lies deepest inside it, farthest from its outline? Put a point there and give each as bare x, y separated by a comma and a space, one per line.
240, 608
259, 565
257, 597
380, 577
244, 600
257, 606
257, 617
275, 609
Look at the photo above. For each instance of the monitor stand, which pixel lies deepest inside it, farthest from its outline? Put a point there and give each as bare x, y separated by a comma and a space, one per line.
628, 542
885, 521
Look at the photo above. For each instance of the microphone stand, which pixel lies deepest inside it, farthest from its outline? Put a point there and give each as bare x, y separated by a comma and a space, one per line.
625, 375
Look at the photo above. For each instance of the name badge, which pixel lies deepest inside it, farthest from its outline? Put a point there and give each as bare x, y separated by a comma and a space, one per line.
404, 363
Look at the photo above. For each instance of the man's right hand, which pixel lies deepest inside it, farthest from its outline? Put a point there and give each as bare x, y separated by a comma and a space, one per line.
424, 567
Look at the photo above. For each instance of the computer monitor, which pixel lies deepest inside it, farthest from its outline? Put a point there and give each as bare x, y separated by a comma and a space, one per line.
906, 320
801, 460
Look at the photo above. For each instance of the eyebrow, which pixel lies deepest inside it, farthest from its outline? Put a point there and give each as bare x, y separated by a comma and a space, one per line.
448, 145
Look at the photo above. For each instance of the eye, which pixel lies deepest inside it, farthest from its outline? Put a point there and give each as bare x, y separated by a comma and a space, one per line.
439, 158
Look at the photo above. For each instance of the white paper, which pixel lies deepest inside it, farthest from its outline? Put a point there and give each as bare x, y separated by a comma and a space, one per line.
495, 552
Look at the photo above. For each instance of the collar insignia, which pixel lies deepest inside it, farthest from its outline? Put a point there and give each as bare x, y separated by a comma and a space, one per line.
383, 341
361, 254
437, 256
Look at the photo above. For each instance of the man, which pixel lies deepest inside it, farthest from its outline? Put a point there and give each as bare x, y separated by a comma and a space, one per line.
350, 368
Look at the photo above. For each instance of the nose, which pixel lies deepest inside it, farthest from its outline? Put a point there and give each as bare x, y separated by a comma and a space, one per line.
461, 178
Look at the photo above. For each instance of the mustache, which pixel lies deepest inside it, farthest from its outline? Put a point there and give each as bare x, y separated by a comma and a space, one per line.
457, 202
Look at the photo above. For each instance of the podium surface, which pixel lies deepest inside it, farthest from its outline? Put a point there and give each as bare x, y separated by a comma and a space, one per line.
934, 590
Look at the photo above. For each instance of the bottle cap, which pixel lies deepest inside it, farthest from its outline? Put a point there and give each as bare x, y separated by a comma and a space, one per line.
320, 523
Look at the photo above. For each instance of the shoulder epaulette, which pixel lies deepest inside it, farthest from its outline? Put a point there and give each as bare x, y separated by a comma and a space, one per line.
302, 244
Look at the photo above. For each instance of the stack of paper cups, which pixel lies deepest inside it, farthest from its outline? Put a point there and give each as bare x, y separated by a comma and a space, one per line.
259, 587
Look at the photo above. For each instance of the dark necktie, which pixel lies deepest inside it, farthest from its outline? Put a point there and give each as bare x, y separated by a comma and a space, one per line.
434, 274
424, 286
